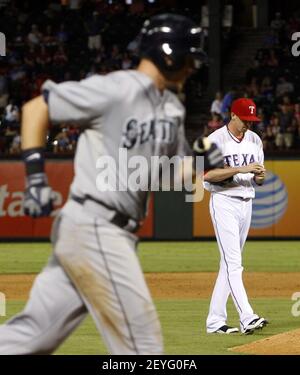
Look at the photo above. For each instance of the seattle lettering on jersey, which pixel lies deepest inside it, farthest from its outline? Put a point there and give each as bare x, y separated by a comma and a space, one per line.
238, 160
136, 133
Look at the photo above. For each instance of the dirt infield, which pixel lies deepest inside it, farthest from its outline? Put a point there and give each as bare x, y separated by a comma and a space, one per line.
200, 285
284, 343
179, 285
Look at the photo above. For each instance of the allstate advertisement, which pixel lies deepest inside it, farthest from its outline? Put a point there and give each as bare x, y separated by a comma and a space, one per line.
13, 223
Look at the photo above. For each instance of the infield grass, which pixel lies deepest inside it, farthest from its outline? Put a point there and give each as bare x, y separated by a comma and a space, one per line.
183, 321
183, 325
260, 256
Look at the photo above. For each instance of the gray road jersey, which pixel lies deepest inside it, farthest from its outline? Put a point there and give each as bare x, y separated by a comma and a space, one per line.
120, 110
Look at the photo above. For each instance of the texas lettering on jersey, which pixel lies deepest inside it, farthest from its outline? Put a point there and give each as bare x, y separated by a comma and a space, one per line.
238, 160
237, 154
136, 133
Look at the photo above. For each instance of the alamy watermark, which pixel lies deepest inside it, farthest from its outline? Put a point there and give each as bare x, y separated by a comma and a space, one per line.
296, 46
135, 173
2, 44
2, 304
296, 306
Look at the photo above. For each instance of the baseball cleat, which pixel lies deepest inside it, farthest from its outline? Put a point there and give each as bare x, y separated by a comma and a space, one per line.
226, 330
257, 323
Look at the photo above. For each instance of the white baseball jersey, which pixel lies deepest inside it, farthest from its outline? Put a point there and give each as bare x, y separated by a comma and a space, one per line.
237, 153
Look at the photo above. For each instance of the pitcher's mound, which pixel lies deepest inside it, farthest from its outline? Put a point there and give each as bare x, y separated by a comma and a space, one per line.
284, 343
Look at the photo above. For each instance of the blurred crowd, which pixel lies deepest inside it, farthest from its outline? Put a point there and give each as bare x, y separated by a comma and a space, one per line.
63, 40
73, 39
274, 83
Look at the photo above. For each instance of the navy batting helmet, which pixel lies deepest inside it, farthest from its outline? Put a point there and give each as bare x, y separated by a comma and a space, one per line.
169, 39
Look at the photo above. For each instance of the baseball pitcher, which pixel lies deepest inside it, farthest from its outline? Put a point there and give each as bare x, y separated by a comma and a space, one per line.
232, 191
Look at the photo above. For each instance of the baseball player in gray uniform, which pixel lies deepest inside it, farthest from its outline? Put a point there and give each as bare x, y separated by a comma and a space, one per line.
94, 268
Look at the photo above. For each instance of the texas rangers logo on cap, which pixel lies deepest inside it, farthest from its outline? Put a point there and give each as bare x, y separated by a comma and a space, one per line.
245, 109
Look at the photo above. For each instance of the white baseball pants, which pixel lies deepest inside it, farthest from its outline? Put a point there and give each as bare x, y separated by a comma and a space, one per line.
231, 219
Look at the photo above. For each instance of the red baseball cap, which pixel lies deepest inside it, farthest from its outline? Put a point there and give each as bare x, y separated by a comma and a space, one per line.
245, 109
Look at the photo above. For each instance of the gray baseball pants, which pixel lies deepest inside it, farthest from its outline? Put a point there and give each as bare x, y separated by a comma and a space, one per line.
94, 268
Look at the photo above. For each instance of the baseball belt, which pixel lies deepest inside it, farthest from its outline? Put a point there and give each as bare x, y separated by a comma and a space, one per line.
240, 198
101, 209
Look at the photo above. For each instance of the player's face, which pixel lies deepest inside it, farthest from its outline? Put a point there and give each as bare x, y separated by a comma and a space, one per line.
242, 126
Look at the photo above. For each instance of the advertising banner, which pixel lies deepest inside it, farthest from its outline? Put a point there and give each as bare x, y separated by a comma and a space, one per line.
276, 206
13, 223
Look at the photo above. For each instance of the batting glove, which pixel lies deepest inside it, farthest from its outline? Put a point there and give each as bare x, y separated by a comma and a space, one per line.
213, 157
38, 196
